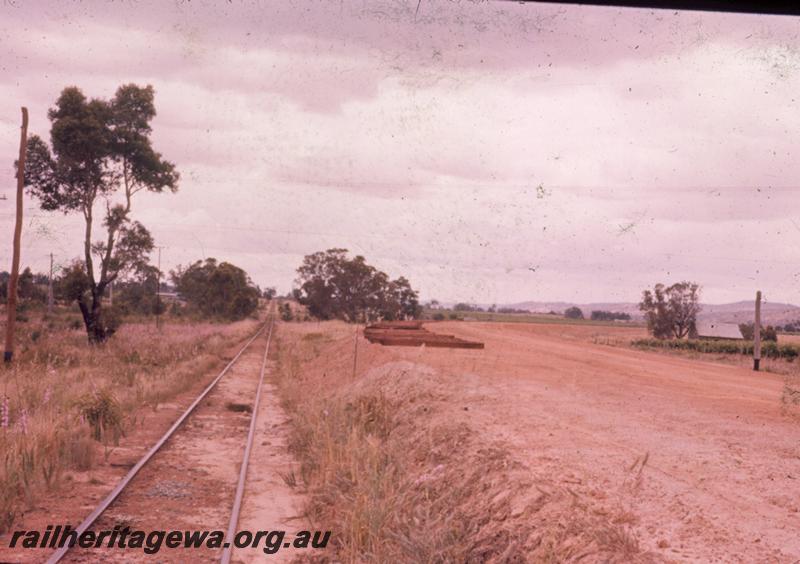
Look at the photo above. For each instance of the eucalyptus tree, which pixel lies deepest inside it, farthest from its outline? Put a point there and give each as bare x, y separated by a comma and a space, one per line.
218, 290
334, 286
671, 312
100, 156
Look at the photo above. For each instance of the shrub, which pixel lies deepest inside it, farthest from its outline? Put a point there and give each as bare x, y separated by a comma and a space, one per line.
285, 311
101, 410
788, 352
573, 313
768, 333
112, 319
600, 315
769, 349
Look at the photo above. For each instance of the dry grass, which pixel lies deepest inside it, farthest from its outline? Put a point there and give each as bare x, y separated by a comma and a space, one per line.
64, 405
790, 396
391, 464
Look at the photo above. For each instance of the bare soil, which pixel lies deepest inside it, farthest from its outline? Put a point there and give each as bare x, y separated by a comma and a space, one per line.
689, 460
273, 500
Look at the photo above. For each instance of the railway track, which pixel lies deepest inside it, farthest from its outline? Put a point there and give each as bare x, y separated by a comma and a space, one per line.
213, 417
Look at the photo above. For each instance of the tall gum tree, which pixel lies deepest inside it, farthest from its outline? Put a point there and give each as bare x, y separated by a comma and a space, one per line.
334, 286
100, 156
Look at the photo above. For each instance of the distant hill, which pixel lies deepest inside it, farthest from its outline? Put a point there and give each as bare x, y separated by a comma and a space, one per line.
559, 307
737, 312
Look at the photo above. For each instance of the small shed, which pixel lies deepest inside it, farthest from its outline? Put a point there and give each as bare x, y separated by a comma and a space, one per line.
716, 330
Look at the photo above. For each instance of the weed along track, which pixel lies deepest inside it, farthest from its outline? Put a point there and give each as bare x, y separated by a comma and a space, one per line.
193, 478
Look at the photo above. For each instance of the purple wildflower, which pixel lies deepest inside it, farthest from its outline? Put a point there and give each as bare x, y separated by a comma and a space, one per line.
4, 413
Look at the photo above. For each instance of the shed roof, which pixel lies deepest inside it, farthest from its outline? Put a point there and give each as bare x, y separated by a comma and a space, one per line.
718, 330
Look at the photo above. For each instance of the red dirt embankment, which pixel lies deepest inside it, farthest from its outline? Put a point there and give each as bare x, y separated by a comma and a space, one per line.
547, 445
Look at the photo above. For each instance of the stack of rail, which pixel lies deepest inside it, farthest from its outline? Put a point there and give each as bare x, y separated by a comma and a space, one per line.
411, 334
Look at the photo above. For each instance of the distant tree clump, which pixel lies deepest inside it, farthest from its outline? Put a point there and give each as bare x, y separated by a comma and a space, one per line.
573, 312
461, 306
599, 315
334, 286
269, 293
671, 312
285, 311
138, 293
748, 330
100, 152
216, 290
512, 310
31, 289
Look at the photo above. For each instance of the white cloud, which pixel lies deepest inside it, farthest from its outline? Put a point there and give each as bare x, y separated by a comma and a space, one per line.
411, 151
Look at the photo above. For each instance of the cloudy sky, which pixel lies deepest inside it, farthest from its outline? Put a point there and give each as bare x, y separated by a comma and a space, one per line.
490, 152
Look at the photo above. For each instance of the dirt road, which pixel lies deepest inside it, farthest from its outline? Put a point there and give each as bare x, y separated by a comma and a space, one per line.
697, 455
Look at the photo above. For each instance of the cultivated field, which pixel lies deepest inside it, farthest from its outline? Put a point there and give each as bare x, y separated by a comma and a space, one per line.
525, 318
549, 444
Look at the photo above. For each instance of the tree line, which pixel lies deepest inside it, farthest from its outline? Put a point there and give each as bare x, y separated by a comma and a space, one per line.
100, 155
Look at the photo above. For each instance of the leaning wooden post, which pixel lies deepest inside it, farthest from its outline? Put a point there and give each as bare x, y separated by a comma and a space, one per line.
50, 288
12, 281
757, 333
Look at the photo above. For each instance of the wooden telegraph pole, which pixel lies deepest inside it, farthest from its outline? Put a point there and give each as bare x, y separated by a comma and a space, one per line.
158, 292
12, 282
757, 334
50, 288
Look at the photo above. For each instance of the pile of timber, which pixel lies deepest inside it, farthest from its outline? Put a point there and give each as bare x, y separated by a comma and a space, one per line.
412, 334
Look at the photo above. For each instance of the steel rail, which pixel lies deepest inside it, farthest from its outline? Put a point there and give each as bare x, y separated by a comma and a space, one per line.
61, 552
227, 551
